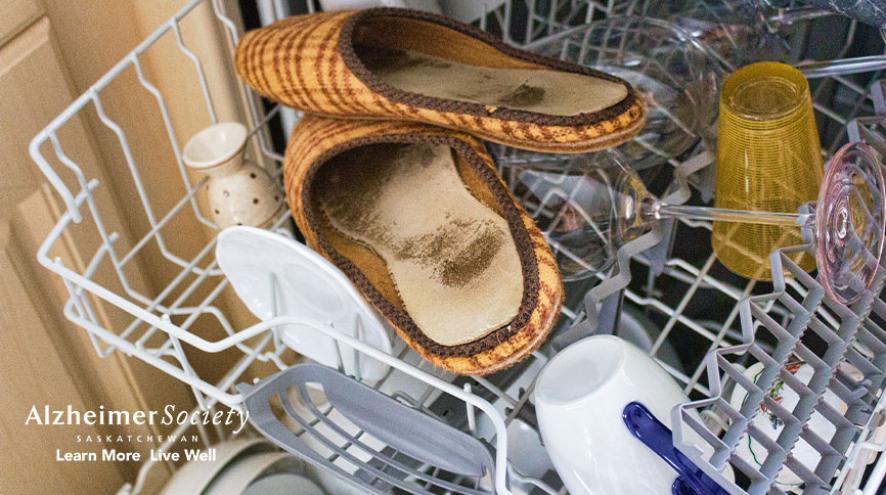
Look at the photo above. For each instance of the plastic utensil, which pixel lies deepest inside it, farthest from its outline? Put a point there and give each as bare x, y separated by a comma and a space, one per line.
413, 438
654, 434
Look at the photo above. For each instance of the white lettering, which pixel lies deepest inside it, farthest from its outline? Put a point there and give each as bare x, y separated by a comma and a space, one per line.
200, 455
244, 417
33, 416
75, 456
113, 455
138, 417
168, 413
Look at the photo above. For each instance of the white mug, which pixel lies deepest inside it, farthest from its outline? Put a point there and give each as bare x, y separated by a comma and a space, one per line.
580, 397
426, 5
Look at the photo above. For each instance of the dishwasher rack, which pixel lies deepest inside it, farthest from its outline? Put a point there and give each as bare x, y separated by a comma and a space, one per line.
649, 269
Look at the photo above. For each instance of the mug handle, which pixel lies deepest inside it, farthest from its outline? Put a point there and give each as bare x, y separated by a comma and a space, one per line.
654, 434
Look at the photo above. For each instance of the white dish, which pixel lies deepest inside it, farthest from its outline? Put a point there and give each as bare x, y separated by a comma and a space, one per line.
767, 422
639, 330
283, 484
426, 5
526, 454
334, 484
309, 287
238, 475
194, 477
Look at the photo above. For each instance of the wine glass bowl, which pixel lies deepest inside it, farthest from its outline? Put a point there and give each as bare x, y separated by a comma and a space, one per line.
849, 222
679, 81
577, 209
736, 31
675, 73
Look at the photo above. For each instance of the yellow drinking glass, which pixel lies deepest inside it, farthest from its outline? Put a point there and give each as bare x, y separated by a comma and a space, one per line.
768, 159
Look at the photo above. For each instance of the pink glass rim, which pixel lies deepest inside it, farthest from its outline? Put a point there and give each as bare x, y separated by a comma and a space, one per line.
820, 249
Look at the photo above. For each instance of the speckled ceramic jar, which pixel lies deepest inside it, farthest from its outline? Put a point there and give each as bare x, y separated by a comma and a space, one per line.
238, 192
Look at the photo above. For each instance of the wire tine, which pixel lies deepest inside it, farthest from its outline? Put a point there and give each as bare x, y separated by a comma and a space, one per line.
170, 133
198, 66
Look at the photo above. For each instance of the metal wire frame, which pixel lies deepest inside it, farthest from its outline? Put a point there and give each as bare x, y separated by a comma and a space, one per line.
697, 278
161, 324
340, 446
149, 313
696, 282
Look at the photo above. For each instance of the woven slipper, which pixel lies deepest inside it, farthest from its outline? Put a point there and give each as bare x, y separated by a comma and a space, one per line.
399, 64
421, 223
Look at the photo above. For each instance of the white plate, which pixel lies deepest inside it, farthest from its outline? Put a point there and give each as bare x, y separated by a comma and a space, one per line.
526, 454
752, 451
283, 484
238, 475
195, 476
309, 287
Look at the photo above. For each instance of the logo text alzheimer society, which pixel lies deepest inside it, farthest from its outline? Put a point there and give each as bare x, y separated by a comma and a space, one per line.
169, 415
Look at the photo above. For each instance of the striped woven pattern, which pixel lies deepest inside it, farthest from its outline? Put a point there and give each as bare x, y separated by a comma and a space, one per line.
316, 139
308, 62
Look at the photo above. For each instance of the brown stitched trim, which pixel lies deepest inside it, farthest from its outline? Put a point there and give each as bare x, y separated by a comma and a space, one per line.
401, 319
346, 48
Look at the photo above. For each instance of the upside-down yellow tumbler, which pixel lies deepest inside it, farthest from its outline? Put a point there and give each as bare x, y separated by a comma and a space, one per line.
768, 159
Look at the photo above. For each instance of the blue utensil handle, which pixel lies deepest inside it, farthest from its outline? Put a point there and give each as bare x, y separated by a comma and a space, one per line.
654, 434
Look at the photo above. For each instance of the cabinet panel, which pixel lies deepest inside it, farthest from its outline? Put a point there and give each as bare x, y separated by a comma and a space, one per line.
32, 373
55, 361
16, 15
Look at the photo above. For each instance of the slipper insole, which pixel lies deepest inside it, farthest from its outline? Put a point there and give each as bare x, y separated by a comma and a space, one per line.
452, 258
537, 90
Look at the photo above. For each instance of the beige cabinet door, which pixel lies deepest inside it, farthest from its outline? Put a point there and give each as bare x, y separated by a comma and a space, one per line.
44, 359
51, 51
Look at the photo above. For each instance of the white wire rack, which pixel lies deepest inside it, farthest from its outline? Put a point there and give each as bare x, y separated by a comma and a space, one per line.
674, 287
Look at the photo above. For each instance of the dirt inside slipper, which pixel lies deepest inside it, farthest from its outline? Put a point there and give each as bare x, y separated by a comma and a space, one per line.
452, 258
534, 90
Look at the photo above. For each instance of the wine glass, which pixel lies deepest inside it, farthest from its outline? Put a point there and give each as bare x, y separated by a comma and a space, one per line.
608, 206
675, 73
737, 31
573, 207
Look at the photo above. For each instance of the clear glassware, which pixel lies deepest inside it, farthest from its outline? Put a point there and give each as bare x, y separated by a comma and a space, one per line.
574, 208
605, 207
675, 73
737, 31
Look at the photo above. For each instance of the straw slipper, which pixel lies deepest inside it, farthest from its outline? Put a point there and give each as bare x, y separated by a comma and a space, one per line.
399, 64
419, 220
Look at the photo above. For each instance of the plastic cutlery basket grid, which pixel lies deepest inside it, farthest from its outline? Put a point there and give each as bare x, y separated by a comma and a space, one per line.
662, 275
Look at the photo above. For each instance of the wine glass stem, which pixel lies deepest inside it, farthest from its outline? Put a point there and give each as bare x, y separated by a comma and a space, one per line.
664, 210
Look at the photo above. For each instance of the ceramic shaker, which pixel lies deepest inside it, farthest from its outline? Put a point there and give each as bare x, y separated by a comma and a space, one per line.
238, 192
